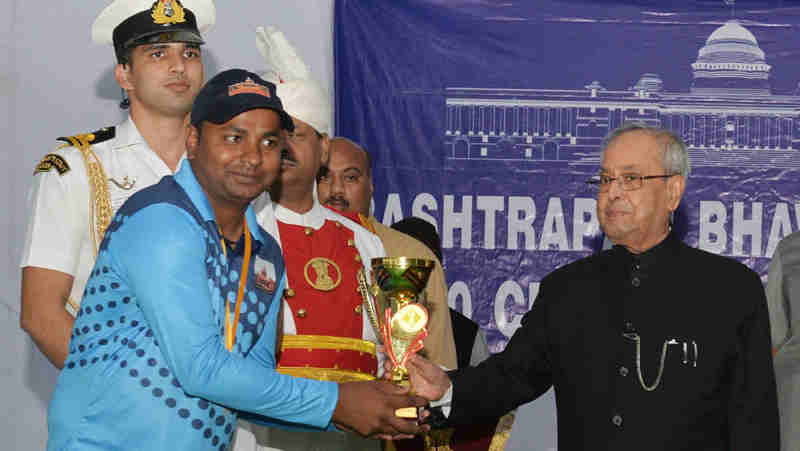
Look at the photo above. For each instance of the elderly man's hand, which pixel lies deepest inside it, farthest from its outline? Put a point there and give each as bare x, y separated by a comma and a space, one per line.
427, 379
368, 408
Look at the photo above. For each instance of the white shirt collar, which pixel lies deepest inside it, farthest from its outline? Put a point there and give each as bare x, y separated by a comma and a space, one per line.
127, 135
314, 218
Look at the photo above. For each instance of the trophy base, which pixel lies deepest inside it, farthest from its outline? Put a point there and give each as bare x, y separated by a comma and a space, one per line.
400, 377
406, 412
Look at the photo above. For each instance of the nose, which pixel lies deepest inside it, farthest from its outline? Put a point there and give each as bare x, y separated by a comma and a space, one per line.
291, 145
252, 155
177, 64
615, 188
337, 185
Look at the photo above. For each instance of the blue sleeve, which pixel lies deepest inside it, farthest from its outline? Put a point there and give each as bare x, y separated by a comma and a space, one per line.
162, 253
263, 351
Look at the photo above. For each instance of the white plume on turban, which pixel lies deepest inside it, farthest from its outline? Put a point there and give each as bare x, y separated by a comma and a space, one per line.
301, 95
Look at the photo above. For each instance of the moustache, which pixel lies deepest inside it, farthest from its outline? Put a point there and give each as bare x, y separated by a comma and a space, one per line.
337, 201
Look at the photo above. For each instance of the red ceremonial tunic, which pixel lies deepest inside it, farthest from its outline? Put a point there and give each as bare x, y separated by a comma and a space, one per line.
322, 267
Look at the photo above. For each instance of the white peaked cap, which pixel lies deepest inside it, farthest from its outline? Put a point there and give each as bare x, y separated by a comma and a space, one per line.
301, 95
118, 11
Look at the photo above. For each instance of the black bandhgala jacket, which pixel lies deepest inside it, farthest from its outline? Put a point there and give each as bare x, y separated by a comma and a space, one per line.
717, 387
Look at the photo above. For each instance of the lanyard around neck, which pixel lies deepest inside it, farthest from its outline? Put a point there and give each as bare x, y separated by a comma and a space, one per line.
230, 329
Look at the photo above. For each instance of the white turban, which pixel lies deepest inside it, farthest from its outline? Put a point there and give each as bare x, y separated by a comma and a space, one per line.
301, 95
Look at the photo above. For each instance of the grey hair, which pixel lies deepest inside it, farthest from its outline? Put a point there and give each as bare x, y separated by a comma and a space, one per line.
675, 157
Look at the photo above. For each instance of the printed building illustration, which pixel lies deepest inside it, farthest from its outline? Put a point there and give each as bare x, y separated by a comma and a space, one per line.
729, 117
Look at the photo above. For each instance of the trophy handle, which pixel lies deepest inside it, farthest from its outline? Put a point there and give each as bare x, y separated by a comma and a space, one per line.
369, 306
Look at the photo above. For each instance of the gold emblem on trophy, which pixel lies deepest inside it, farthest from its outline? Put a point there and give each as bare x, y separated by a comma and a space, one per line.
398, 313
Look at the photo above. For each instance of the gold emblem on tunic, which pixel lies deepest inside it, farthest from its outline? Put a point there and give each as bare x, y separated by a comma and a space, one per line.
168, 12
324, 281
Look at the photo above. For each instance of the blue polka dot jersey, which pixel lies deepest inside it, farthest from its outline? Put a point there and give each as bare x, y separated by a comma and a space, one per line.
148, 368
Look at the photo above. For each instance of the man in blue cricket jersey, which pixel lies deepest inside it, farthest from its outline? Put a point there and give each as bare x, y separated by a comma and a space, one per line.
177, 329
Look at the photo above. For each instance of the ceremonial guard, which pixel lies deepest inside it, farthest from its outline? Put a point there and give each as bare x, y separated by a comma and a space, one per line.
346, 185
81, 184
327, 335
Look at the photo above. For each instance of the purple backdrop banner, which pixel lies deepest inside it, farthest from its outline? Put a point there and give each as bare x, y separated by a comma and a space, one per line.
485, 118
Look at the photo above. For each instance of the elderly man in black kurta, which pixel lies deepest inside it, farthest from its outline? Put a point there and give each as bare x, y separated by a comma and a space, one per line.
650, 345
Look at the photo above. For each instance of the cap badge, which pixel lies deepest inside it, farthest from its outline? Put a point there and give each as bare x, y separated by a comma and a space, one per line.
167, 12
248, 87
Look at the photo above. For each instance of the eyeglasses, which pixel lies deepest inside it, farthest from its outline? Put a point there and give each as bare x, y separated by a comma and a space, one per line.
628, 182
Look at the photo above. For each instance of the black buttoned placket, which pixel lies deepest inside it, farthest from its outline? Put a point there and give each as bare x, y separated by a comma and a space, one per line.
640, 291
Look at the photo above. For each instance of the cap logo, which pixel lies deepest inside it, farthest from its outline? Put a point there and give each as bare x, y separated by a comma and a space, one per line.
248, 87
166, 12
165, 37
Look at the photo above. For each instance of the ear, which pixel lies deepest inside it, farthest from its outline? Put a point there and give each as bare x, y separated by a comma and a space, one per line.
192, 141
122, 74
325, 155
676, 185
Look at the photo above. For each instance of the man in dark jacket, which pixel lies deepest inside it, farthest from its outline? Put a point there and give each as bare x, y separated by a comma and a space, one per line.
649, 345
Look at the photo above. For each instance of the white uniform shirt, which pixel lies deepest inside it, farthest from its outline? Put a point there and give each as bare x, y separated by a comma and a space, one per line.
59, 230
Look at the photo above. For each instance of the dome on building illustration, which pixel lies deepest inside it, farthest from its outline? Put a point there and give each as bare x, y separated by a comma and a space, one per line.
732, 31
649, 82
731, 63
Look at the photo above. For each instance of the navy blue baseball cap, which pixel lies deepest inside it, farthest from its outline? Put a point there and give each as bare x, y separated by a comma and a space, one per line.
234, 91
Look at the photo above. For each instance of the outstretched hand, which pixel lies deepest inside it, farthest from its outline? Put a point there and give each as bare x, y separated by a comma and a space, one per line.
368, 408
426, 378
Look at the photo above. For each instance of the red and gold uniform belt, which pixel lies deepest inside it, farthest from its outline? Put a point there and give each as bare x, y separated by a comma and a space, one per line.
322, 357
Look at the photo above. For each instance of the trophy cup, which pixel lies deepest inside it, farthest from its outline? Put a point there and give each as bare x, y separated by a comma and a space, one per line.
397, 313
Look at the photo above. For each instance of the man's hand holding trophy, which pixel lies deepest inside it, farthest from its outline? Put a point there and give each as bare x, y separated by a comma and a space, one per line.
397, 311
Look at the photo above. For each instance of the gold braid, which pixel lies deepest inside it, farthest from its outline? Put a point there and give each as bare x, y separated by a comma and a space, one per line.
99, 199
502, 432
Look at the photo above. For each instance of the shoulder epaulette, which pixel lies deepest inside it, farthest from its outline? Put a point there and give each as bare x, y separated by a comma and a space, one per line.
95, 137
364, 221
83, 141
100, 199
356, 217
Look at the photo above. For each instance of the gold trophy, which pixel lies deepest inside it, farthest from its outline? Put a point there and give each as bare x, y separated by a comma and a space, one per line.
397, 313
